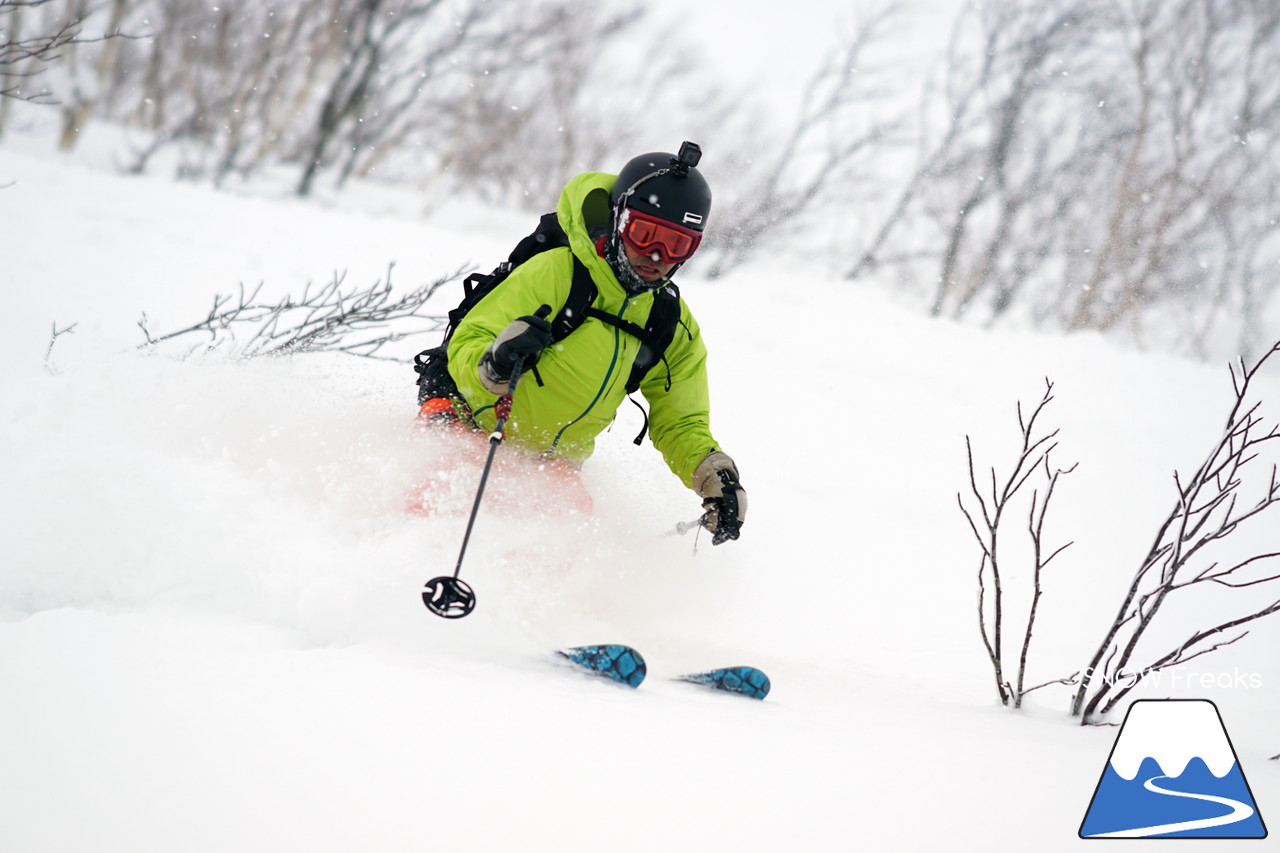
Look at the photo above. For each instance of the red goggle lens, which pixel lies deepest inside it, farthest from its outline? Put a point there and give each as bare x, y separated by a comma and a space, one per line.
647, 235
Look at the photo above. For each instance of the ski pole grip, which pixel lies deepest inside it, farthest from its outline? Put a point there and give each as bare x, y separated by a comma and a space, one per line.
729, 524
517, 369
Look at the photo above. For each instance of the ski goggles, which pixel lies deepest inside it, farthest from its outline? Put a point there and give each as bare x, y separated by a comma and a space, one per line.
647, 234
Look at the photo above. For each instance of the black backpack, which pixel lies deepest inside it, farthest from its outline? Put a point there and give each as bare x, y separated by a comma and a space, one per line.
432, 364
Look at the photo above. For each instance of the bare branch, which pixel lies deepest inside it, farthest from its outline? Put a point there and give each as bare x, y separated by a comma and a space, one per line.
1073, 678
24, 57
323, 319
53, 339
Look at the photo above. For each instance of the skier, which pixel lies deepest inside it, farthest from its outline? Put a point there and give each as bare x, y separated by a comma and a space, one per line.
630, 232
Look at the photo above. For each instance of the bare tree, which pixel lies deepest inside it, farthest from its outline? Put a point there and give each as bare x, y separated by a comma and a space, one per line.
392, 53
1210, 506
517, 137
518, 47
1105, 165
503, 98
89, 76
933, 156
401, 88
990, 506
1005, 184
371, 30
230, 88
835, 132
979, 176
264, 94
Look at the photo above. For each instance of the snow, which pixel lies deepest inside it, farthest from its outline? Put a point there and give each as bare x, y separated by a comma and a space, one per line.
210, 630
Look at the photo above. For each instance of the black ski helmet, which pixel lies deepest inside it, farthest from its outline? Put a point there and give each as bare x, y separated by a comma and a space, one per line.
667, 186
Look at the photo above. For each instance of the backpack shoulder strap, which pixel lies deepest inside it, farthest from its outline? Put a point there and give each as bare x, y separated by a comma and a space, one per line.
576, 309
659, 332
548, 235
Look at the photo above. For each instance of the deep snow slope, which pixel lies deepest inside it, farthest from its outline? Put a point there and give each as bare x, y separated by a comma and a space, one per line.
210, 631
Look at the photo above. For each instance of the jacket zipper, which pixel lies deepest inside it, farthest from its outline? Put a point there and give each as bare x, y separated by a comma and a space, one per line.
617, 345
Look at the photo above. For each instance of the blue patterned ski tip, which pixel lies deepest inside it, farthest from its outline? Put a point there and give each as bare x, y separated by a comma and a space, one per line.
743, 680
621, 663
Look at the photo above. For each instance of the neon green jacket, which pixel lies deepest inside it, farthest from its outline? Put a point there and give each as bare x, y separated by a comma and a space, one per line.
585, 374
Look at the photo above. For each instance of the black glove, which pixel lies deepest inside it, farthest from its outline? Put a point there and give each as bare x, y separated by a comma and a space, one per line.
725, 501
526, 336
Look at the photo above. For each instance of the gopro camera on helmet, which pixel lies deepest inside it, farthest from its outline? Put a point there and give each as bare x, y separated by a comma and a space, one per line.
688, 157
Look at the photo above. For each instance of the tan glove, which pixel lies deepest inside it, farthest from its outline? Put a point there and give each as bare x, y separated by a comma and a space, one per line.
725, 501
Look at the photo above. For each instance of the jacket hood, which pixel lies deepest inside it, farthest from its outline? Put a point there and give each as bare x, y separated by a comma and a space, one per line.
584, 213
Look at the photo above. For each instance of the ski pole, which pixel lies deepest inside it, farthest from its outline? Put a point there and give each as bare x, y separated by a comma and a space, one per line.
730, 525
448, 596
683, 527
